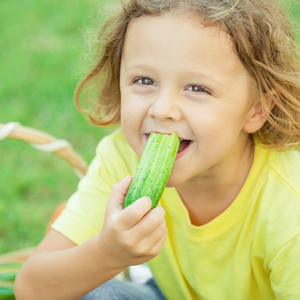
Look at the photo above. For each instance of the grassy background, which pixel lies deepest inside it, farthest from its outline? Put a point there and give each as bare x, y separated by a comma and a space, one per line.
42, 53
41, 58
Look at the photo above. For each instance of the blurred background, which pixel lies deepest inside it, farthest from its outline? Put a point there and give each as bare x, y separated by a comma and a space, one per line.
42, 55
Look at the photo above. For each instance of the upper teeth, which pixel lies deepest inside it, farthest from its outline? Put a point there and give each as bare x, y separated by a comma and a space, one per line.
181, 140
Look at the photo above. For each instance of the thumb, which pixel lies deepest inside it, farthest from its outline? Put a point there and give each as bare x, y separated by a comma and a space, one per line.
118, 194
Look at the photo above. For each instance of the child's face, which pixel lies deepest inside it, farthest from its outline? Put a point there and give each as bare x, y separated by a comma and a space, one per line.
179, 76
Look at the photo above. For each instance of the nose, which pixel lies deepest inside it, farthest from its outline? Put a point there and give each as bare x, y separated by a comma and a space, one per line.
165, 107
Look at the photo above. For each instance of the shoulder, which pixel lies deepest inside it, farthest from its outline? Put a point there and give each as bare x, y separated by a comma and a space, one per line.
276, 241
285, 168
113, 150
113, 142
277, 202
280, 182
280, 171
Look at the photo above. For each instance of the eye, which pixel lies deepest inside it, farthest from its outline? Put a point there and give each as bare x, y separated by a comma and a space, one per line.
198, 89
144, 81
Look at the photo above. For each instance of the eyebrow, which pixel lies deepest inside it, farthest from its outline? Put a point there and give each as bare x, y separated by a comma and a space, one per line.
139, 66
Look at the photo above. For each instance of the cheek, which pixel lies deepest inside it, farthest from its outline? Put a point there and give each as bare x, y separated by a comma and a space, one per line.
129, 114
126, 119
126, 111
134, 111
131, 123
217, 128
130, 104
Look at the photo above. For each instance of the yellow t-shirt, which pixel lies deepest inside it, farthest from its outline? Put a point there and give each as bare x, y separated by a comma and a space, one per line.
250, 251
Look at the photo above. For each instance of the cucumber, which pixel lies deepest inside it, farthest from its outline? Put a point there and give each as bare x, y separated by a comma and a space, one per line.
154, 168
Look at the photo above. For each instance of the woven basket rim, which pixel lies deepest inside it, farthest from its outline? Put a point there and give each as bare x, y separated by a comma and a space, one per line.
40, 139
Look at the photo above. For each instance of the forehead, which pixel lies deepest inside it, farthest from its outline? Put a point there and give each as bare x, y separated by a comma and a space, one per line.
179, 36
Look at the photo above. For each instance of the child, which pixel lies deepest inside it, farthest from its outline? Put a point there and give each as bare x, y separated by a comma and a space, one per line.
223, 75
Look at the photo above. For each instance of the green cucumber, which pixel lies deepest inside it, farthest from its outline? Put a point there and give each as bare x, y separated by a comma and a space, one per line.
154, 168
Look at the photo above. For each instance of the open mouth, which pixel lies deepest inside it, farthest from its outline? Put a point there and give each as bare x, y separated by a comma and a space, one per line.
184, 144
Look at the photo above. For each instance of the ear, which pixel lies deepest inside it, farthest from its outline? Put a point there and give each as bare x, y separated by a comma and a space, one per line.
258, 115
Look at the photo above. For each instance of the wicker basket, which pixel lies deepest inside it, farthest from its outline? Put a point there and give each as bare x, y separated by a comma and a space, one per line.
45, 142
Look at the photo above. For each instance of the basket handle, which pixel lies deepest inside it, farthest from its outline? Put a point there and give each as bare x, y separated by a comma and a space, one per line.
45, 142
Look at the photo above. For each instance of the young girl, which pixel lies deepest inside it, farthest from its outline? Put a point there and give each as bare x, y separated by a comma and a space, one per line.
223, 75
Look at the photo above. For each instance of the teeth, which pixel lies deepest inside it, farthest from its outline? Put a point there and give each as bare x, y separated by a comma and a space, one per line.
181, 140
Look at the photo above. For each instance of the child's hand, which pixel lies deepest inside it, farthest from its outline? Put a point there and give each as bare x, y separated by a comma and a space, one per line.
132, 235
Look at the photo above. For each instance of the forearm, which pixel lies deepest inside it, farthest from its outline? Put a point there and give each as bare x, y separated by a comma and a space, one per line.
65, 274
61, 270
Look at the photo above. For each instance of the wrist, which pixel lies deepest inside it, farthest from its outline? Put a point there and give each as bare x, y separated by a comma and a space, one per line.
108, 257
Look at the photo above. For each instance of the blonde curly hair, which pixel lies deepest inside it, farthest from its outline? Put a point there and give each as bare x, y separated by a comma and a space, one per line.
264, 42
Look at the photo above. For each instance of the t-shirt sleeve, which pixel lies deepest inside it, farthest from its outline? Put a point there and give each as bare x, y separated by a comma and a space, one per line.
84, 213
285, 271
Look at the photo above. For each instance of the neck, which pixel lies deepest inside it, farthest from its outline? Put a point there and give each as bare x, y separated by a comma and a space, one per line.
209, 195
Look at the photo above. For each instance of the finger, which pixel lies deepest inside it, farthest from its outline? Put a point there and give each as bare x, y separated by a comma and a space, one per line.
118, 194
155, 235
149, 223
133, 213
152, 244
159, 244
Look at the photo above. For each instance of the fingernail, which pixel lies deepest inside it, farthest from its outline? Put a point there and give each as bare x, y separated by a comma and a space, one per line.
148, 199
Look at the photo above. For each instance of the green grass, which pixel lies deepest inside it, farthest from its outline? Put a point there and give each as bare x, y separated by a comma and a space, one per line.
293, 9
42, 55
